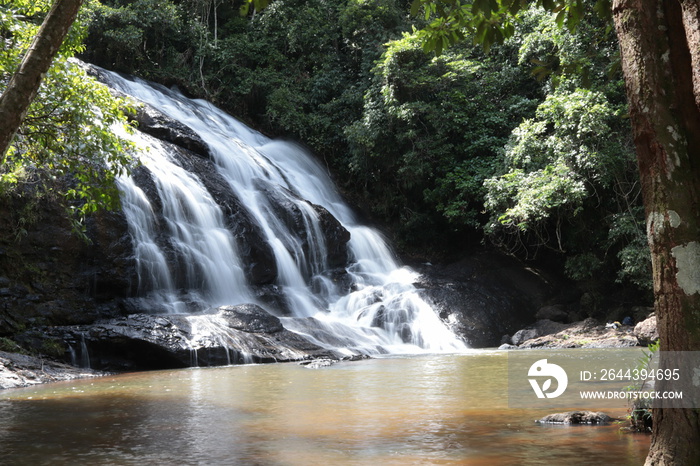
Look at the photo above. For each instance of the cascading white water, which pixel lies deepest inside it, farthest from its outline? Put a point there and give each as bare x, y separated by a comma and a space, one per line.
384, 312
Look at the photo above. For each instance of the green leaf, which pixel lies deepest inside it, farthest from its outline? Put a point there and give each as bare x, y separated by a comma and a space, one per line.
415, 7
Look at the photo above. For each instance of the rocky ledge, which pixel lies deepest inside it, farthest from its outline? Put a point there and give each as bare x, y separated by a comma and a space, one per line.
19, 370
588, 333
231, 335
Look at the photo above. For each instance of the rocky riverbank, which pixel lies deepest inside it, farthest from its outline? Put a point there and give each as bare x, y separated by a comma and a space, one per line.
588, 333
19, 370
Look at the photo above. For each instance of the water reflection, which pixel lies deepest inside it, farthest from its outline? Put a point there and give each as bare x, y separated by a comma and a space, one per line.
447, 409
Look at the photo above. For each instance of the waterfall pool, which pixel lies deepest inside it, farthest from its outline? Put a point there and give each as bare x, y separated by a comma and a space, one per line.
426, 409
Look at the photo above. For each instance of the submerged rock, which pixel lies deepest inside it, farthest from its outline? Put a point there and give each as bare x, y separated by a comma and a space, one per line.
577, 417
318, 363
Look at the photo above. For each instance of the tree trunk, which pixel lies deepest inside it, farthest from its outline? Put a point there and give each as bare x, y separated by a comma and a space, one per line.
24, 84
660, 54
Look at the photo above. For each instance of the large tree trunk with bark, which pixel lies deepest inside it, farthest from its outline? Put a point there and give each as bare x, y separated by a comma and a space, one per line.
660, 53
25, 83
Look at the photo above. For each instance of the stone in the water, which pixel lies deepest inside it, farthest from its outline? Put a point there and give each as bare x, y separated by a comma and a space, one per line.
577, 417
318, 363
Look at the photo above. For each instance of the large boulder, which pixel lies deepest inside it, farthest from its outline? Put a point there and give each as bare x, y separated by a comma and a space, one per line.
485, 296
555, 312
161, 126
646, 331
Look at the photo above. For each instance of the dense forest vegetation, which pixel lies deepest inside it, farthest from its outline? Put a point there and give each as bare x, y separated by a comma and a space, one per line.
526, 146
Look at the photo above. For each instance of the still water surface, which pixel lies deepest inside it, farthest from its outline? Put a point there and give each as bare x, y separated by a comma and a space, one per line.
437, 409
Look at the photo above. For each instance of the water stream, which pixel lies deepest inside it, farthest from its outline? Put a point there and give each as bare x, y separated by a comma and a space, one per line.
428, 409
197, 266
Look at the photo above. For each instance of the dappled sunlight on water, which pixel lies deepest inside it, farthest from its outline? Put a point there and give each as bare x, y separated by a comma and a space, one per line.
443, 409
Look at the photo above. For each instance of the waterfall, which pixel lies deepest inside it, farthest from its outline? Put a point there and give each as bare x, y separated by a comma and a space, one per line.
188, 258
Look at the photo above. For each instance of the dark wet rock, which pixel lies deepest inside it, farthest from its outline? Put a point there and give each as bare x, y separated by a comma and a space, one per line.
250, 318
577, 417
259, 264
161, 126
485, 296
272, 297
236, 334
336, 237
556, 313
286, 206
646, 331
51, 275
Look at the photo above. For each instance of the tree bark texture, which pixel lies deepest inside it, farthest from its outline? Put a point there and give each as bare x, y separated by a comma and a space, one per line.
24, 84
660, 55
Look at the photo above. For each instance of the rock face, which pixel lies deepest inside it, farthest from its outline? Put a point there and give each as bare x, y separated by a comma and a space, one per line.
250, 318
48, 275
232, 335
260, 266
485, 296
555, 313
335, 237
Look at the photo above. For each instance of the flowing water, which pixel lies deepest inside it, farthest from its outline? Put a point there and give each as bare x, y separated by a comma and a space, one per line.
427, 409
382, 313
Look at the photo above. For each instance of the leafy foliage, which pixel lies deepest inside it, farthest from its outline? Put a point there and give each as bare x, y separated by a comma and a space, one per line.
137, 36
570, 181
431, 132
491, 22
65, 144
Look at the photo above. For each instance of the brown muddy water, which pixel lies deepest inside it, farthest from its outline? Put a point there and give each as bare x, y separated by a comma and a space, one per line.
428, 409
